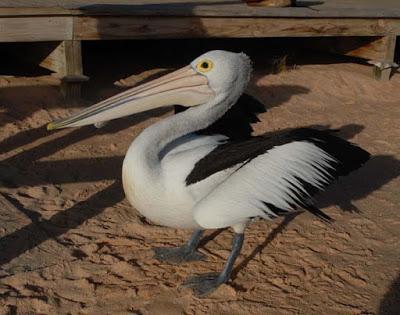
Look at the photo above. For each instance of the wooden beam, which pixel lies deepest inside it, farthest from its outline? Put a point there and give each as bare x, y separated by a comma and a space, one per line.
229, 8
205, 8
55, 59
35, 29
123, 27
34, 11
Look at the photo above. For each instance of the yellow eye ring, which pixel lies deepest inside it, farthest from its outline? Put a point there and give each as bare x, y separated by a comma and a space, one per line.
204, 66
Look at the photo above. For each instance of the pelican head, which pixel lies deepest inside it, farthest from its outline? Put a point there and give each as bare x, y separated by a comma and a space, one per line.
225, 71
213, 73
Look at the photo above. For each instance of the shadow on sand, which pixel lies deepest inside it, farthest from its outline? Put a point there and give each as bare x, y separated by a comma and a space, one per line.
390, 304
31, 235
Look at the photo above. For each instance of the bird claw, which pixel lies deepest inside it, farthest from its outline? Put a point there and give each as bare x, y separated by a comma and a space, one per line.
204, 284
177, 255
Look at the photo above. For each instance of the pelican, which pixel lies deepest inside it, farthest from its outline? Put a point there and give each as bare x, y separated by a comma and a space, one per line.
189, 172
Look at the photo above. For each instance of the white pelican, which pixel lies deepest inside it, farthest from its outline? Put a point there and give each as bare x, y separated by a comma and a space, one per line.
179, 177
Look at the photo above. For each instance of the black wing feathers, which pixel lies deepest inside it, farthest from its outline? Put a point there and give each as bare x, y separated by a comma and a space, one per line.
348, 157
312, 209
241, 148
229, 154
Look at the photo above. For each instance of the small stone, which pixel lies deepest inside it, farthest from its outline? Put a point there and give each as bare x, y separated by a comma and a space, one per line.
113, 146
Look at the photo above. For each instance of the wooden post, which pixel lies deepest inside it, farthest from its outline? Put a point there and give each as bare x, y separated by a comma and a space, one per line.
73, 79
382, 68
66, 61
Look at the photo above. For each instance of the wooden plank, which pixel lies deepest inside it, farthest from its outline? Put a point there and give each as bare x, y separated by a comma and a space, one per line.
326, 8
102, 27
31, 29
237, 10
20, 12
222, 8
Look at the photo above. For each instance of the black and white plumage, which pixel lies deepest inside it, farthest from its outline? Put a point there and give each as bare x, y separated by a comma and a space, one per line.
202, 169
304, 160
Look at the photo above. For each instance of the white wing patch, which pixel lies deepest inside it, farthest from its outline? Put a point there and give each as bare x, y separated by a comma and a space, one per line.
276, 177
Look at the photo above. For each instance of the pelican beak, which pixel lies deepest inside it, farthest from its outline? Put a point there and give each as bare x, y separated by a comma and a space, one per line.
182, 87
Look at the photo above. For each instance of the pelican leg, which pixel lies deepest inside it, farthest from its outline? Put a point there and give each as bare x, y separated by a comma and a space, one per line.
206, 283
181, 254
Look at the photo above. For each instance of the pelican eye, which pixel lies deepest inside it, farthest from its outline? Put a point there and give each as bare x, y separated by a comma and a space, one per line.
204, 66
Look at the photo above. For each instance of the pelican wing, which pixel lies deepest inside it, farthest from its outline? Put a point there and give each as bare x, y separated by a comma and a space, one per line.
273, 175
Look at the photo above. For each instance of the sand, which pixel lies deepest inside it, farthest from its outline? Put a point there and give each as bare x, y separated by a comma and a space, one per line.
73, 244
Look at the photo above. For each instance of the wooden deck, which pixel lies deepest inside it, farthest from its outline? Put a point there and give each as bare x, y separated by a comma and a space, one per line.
305, 8
377, 23
86, 20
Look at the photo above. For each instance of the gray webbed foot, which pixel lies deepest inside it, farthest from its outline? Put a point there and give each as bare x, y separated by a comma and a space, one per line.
204, 284
207, 283
177, 255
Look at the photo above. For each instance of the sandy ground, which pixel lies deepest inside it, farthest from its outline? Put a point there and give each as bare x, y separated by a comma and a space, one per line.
73, 245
